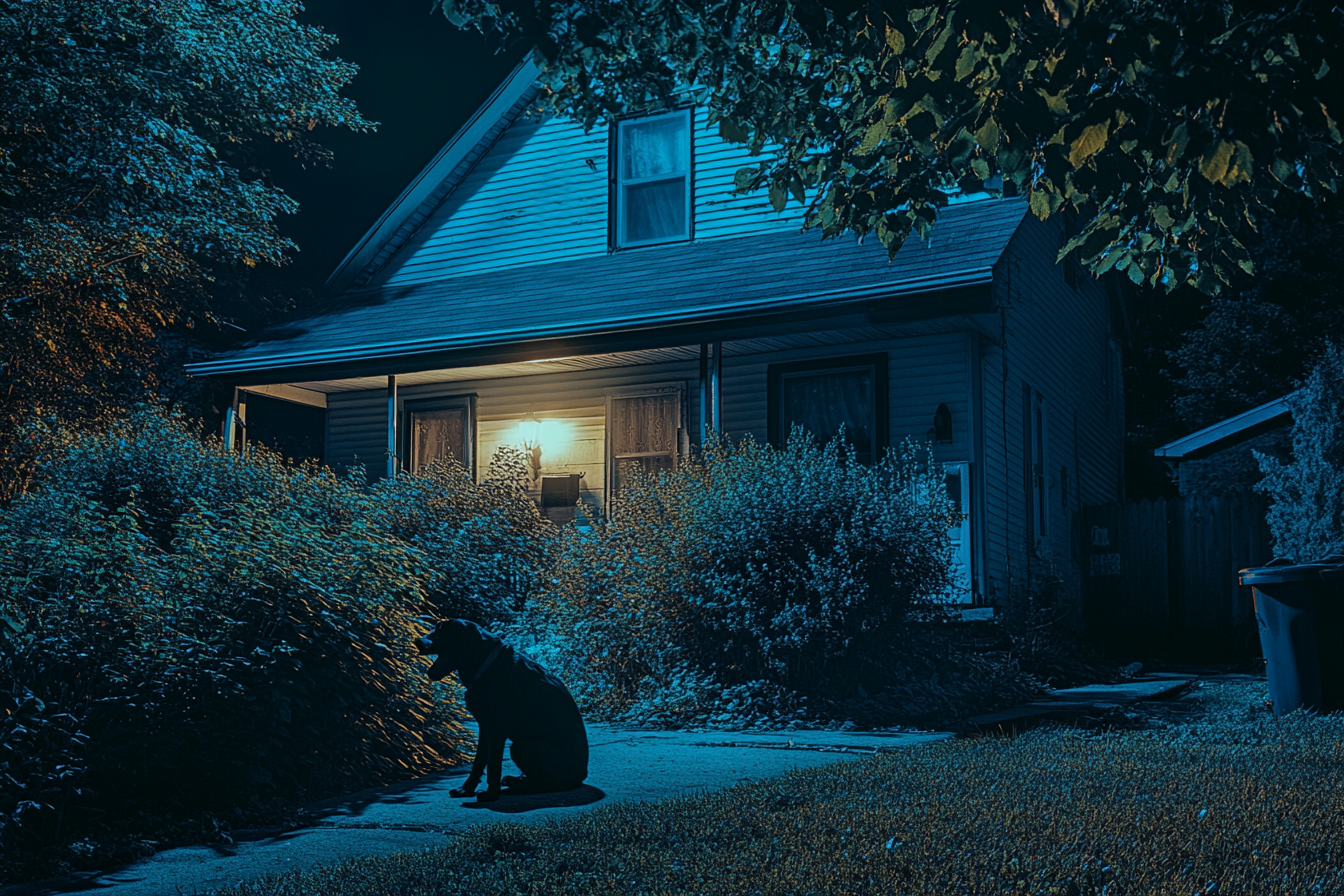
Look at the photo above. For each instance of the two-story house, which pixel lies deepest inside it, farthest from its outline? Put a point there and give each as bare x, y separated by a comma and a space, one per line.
604, 300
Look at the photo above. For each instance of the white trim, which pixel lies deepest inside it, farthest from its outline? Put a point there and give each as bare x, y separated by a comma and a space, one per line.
1225, 432
290, 393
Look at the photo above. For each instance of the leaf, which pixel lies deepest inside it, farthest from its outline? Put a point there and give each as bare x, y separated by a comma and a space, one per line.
732, 131
966, 61
959, 150
895, 40
981, 168
1040, 204
988, 135
1162, 215
777, 198
876, 133
938, 44
1216, 161
1180, 139
1055, 102
1090, 142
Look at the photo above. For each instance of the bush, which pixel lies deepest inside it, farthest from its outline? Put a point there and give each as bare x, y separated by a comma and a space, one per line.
1306, 517
192, 631
748, 568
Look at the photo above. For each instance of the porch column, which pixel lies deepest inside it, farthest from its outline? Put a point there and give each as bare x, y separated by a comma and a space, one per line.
230, 431
716, 387
704, 392
241, 402
391, 425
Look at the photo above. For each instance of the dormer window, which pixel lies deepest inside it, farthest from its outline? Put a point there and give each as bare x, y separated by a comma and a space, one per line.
652, 196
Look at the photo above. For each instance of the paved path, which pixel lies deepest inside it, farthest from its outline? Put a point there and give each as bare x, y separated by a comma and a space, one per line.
624, 765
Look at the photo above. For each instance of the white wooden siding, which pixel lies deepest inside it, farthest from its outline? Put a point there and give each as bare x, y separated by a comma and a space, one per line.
540, 196
924, 371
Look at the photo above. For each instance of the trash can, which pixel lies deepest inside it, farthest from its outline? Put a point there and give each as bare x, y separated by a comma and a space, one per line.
1299, 609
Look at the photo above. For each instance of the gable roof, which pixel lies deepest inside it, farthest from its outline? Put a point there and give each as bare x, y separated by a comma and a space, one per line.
677, 285
1229, 432
439, 178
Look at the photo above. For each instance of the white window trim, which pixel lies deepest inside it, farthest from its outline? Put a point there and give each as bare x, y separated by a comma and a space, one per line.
618, 238
962, 591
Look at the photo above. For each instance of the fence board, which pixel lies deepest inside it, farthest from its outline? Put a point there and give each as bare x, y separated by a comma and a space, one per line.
1161, 576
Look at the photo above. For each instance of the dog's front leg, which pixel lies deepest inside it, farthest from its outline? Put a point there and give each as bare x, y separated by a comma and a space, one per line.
468, 787
493, 748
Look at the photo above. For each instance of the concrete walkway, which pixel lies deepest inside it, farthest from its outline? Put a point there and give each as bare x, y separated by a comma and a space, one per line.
419, 814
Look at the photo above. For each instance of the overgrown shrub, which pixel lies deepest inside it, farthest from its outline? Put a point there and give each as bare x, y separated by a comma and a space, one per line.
187, 630
748, 568
1306, 516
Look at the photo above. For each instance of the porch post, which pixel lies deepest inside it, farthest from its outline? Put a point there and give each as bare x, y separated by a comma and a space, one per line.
716, 387
704, 392
391, 425
241, 421
230, 431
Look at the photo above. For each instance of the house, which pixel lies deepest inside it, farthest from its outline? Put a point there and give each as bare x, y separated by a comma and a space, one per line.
1219, 458
604, 300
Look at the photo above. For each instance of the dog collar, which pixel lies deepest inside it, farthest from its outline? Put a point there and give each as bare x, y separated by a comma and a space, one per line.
488, 660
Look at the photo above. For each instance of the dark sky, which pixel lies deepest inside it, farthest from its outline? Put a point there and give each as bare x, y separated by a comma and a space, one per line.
420, 78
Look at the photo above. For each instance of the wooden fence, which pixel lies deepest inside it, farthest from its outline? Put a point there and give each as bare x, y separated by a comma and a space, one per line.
1160, 577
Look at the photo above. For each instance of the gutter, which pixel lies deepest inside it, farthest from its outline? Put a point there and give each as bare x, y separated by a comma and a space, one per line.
713, 314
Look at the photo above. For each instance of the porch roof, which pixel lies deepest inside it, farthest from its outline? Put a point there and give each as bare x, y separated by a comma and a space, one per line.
672, 289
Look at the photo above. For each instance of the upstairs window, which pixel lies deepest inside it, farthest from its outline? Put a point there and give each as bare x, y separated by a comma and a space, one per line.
653, 180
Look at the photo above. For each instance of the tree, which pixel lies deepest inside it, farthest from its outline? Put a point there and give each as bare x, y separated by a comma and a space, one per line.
1173, 127
1258, 344
134, 139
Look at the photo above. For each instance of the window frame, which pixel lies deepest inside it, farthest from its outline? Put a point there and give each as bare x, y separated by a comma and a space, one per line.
877, 362
679, 446
616, 208
412, 406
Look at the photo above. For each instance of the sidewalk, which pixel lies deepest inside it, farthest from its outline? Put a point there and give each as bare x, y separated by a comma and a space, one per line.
419, 814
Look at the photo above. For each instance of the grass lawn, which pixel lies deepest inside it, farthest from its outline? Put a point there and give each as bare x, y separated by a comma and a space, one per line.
1231, 802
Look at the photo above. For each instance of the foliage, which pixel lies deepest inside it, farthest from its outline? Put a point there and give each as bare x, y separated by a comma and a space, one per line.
133, 144
187, 630
1306, 517
486, 546
1171, 127
1255, 345
1236, 803
750, 567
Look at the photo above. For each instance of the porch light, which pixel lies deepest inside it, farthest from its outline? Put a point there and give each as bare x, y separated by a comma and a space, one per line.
530, 431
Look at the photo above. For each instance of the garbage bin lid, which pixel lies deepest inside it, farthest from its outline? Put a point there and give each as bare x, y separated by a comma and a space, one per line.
1282, 569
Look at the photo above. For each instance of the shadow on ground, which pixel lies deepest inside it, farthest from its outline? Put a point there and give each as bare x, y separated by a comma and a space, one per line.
512, 804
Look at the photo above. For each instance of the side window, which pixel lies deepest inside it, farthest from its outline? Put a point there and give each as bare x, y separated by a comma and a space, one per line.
643, 432
823, 396
439, 428
652, 189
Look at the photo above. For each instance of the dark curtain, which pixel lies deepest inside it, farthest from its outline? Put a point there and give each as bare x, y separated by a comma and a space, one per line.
821, 402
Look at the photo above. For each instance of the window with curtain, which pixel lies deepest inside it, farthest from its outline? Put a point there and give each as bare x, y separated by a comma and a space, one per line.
825, 396
642, 434
653, 179
438, 433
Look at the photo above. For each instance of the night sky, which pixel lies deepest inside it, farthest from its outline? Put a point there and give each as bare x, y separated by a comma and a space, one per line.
420, 78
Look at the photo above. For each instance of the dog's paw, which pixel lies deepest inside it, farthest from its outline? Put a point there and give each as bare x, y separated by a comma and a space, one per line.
488, 796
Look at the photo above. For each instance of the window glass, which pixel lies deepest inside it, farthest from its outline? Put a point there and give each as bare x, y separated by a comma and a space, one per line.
438, 434
822, 401
655, 212
654, 147
654, 181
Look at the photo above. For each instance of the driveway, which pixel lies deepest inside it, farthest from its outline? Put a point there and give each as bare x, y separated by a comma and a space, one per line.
419, 814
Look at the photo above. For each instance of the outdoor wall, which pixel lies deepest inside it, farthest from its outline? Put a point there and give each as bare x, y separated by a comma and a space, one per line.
1057, 338
539, 195
924, 371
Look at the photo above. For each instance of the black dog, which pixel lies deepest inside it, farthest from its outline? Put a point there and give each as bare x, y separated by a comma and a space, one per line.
512, 698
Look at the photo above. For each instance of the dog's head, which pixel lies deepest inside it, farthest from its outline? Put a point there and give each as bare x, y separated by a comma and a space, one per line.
456, 645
